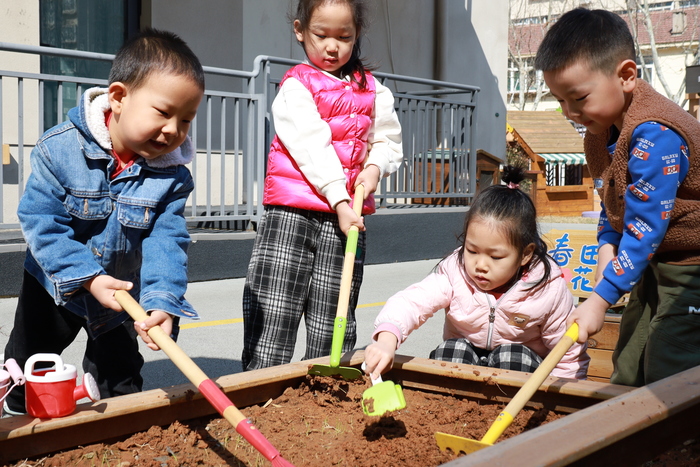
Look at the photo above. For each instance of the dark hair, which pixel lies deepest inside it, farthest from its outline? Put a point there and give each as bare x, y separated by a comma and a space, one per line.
514, 214
154, 51
599, 37
305, 9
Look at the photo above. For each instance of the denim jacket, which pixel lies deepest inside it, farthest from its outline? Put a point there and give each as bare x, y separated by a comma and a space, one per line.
79, 224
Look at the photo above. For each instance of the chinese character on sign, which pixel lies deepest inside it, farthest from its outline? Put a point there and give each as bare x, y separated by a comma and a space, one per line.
589, 254
579, 281
562, 253
576, 252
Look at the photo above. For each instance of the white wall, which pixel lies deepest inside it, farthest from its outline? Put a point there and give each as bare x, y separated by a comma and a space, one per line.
19, 24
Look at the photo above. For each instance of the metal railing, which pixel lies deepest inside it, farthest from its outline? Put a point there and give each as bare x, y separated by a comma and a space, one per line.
233, 130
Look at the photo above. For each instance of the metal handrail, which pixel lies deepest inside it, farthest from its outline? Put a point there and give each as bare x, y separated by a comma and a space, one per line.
232, 132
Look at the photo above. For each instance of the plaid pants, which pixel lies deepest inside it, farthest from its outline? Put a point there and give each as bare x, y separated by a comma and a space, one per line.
295, 271
507, 356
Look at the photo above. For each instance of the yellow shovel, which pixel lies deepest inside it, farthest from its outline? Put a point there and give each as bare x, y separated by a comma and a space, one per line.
458, 444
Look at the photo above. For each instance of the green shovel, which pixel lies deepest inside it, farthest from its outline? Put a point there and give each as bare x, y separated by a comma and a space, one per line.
382, 397
341, 313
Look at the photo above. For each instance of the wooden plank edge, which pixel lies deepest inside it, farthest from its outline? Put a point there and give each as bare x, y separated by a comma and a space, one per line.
24, 436
404, 366
602, 434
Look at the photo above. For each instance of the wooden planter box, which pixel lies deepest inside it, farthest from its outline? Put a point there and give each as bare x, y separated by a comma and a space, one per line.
606, 424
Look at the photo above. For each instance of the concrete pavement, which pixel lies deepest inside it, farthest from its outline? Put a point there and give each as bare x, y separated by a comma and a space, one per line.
215, 342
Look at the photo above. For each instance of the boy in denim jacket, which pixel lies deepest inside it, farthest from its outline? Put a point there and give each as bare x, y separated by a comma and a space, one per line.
642, 151
103, 211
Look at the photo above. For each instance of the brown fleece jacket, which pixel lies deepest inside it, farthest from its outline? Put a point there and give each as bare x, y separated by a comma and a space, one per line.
681, 244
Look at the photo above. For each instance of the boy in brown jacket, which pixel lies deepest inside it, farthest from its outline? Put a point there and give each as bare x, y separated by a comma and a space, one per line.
641, 150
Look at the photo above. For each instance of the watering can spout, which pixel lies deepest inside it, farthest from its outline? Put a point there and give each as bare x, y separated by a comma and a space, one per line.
87, 389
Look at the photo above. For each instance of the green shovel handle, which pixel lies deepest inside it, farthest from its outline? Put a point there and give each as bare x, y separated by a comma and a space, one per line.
340, 322
339, 325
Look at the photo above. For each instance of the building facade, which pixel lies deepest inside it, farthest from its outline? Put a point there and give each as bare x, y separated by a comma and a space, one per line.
666, 32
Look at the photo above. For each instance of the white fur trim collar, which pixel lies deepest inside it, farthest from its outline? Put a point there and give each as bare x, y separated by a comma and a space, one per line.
96, 103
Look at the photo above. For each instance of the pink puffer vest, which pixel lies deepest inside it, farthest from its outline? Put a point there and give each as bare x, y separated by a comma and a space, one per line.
348, 111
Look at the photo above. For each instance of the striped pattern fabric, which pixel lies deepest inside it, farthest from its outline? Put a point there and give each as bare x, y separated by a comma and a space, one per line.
574, 158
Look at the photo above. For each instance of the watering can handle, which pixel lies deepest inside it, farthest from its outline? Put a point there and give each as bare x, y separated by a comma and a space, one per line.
42, 357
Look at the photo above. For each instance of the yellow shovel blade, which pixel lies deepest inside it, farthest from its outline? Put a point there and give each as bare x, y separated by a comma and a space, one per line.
458, 444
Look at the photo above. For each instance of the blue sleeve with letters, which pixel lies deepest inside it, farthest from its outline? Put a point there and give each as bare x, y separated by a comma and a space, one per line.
658, 164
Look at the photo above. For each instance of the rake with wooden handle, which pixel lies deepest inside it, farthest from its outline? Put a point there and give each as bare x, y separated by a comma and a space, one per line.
206, 386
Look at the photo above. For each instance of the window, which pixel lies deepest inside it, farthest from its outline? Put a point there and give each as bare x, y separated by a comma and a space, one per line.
526, 78
679, 22
561, 174
87, 25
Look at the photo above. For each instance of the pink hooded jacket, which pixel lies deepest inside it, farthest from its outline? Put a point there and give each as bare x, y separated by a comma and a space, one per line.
348, 111
536, 319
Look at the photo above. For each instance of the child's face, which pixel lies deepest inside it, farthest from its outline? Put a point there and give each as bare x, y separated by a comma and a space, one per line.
153, 119
593, 98
489, 257
330, 37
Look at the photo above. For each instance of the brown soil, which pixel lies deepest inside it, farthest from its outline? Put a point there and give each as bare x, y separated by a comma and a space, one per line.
320, 423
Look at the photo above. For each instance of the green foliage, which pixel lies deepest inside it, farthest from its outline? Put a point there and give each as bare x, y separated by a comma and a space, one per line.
515, 156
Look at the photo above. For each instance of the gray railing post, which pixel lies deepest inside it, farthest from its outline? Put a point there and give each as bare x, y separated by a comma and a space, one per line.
439, 148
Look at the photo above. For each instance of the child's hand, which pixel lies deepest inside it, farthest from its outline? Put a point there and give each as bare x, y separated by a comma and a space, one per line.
102, 287
156, 318
590, 316
347, 218
369, 177
380, 355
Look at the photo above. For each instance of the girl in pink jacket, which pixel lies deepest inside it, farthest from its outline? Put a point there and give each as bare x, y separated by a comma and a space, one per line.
505, 300
335, 128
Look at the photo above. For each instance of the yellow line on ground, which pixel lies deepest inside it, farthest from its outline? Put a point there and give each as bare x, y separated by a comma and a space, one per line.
370, 305
219, 322
211, 323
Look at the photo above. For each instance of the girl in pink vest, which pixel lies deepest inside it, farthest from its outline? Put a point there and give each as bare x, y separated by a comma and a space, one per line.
336, 128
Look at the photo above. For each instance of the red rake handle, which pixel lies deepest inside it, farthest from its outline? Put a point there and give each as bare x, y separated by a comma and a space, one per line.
206, 386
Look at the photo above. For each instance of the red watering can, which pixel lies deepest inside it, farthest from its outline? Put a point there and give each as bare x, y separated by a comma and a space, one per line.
52, 392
